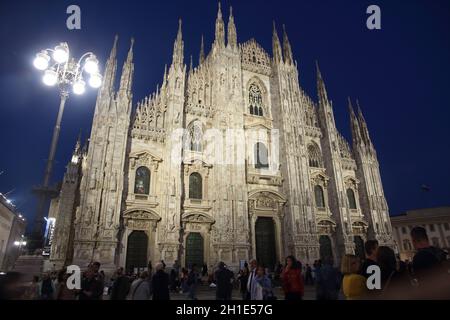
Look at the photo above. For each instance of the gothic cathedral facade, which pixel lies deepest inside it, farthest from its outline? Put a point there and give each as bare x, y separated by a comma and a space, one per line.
146, 187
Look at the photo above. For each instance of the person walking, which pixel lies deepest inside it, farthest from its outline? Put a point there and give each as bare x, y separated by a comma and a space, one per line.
308, 275
121, 286
160, 283
91, 286
353, 283
251, 276
223, 278
243, 280
328, 281
141, 288
46, 288
292, 279
192, 282
262, 286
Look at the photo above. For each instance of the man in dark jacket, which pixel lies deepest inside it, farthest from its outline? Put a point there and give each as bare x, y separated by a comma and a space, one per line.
223, 278
91, 286
121, 286
160, 283
430, 266
328, 280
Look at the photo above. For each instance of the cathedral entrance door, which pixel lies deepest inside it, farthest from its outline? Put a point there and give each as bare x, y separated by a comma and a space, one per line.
326, 250
265, 242
359, 247
194, 250
137, 251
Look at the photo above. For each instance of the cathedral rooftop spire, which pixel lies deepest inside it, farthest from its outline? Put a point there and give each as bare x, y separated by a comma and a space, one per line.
111, 68
178, 47
201, 58
363, 125
126, 78
287, 50
220, 29
276, 46
354, 125
232, 34
321, 90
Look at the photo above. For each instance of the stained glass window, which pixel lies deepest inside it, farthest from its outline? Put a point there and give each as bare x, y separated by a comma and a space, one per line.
142, 181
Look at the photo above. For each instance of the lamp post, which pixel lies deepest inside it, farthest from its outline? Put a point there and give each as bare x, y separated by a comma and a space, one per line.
62, 70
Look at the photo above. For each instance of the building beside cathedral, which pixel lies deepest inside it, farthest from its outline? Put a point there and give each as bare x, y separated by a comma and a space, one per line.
226, 161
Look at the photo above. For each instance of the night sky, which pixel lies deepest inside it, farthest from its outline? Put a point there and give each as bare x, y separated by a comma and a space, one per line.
400, 75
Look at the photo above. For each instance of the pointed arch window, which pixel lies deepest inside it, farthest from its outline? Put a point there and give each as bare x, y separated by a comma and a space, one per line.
255, 100
195, 186
351, 199
314, 156
142, 181
319, 196
261, 156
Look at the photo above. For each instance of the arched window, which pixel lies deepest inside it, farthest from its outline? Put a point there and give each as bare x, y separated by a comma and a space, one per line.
142, 181
320, 199
314, 156
351, 199
255, 100
261, 156
195, 138
195, 186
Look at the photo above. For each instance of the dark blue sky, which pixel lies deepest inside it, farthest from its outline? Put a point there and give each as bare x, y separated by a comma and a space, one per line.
400, 74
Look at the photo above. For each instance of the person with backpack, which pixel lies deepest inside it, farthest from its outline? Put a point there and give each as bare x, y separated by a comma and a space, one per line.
430, 267
141, 288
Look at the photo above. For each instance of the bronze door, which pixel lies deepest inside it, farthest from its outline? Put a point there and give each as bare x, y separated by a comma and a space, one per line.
194, 250
137, 251
265, 242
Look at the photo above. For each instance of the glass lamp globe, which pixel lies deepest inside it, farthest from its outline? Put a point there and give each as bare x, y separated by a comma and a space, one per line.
91, 65
61, 53
79, 87
50, 77
41, 61
95, 81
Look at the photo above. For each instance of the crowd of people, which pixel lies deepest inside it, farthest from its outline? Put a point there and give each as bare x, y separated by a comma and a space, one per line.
427, 276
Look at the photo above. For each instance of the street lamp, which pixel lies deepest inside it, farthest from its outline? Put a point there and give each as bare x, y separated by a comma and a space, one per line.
60, 69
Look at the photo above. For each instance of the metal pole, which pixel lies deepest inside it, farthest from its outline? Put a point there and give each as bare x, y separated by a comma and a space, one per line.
39, 219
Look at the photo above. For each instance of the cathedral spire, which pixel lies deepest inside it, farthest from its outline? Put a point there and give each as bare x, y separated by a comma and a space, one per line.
232, 34
363, 125
354, 125
191, 65
276, 46
178, 48
220, 30
201, 58
321, 90
111, 68
287, 50
126, 78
